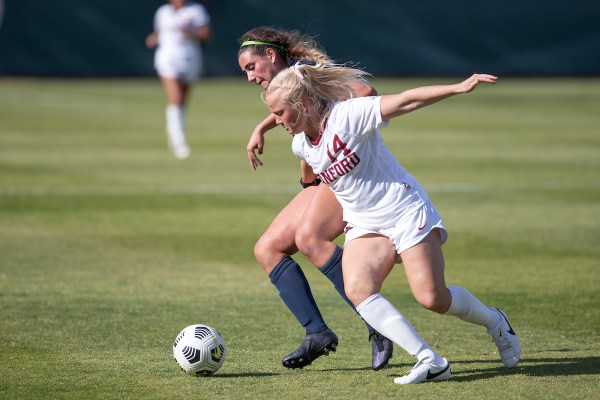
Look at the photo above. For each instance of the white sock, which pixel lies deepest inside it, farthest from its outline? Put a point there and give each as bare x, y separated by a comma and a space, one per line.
387, 320
427, 354
175, 120
468, 308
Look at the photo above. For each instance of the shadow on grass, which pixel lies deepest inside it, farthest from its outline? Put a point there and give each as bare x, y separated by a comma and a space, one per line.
244, 375
543, 366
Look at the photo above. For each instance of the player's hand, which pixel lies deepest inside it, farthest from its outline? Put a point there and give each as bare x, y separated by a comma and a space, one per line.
152, 40
469, 84
255, 144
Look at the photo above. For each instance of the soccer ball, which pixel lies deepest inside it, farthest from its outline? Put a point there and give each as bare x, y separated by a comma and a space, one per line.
199, 350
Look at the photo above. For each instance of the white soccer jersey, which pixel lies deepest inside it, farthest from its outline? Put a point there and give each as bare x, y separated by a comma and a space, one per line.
178, 55
350, 157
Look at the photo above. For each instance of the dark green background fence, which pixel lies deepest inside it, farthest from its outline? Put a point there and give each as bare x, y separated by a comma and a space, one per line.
388, 38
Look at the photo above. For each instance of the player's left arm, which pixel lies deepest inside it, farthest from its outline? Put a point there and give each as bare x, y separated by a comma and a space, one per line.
202, 34
198, 27
410, 100
309, 178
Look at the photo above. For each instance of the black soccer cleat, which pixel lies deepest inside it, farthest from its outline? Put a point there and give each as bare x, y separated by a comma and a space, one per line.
312, 347
382, 349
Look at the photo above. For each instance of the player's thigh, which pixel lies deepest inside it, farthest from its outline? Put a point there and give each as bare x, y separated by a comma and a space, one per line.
322, 218
367, 261
174, 89
281, 232
424, 267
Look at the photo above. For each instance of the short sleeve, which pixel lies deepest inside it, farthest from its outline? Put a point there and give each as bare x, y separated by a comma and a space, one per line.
297, 146
358, 116
200, 17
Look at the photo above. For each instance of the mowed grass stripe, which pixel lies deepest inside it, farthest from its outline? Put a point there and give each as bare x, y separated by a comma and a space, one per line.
258, 189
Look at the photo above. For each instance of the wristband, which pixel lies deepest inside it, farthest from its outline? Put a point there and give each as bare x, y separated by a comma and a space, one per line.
304, 185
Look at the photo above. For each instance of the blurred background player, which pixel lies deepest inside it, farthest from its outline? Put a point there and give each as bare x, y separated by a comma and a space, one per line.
180, 26
313, 218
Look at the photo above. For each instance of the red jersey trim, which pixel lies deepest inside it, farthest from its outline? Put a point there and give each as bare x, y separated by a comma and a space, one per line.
318, 139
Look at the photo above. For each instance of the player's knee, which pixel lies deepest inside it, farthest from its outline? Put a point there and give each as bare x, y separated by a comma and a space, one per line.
306, 241
271, 248
263, 249
437, 301
353, 295
356, 292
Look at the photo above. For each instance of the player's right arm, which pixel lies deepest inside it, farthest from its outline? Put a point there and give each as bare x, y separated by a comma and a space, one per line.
257, 140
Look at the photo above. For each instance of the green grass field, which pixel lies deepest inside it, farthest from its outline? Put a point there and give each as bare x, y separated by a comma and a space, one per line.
109, 246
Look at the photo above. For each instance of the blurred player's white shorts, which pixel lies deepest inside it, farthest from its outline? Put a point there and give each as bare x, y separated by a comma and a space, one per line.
410, 229
185, 66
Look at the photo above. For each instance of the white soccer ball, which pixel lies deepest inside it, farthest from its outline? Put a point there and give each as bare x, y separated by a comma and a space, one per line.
199, 350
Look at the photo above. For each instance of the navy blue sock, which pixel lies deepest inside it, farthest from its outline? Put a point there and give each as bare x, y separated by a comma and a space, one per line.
333, 271
295, 292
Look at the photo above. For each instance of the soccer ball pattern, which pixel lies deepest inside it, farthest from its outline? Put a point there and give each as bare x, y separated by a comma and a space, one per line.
199, 350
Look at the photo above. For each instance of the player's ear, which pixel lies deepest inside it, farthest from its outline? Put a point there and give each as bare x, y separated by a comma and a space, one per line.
305, 106
271, 54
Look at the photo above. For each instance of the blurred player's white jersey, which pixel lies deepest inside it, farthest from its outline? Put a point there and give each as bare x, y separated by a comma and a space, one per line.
350, 157
179, 55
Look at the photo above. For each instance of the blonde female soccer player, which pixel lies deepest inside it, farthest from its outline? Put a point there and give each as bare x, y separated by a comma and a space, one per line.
387, 211
179, 28
312, 219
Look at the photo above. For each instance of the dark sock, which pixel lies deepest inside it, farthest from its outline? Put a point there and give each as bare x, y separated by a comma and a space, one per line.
333, 271
295, 292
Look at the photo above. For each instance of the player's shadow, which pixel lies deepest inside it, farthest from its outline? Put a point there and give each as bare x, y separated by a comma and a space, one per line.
543, 366
462, 372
